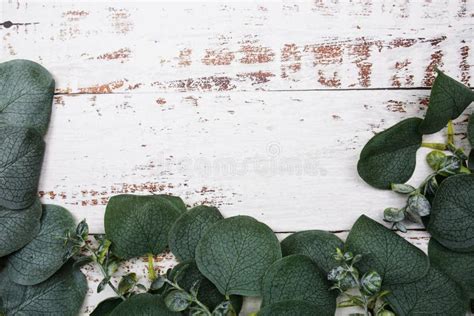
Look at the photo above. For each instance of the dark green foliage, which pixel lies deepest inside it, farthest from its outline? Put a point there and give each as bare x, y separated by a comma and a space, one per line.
139, 225
106, 307
390, 156
189, 228
143, 305
290, 308
319, 245
235, 253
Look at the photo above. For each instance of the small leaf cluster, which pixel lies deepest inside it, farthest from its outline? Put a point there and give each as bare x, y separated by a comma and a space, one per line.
38, 277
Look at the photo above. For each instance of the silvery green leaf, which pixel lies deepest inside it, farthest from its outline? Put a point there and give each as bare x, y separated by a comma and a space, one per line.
419, 204
178, 301
21, 157
431, 186
402, 188
103, 284
82, 229
143, 304
393, 215
347, 282
436, 159
18, 227
158, 283
385, 313
223, 309
60, 295
235, 253
399, 226
448, 99
450, 167
127, 282
371, 282
48, 248
26, 95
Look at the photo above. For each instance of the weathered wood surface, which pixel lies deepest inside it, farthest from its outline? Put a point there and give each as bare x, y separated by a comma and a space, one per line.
130, 46
233, 103
166, 261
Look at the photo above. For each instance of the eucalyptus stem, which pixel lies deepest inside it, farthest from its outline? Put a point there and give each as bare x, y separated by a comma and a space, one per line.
450, 132
151, 268
437, 146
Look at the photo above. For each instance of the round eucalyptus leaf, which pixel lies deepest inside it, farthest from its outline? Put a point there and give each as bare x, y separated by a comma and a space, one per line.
106, 307
459, 266
393, 215
139, 224
18, 227
186, 274
452, 215
177, 301
21, 157
234, 254
394, 258
435, 295
436, 159
390, 156
290, 308
419, 204
470, 130
402, 188
297, 277
448, 99
451, 166
60, 295
175, 200
46, 253
26, 95
144, 304
319, 245
371, 283
189, 228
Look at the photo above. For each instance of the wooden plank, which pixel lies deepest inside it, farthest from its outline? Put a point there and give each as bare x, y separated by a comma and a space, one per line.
166, 261
288, 160
103, 47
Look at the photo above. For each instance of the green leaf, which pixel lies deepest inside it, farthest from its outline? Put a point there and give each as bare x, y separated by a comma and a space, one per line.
452, 215
139, 224
188, 230
394, 258
470, 130
436, 159
390, 156
143, 305
178, 301
26, 95
127, 283
18, 227
319, 245
297, 277
402, 188
448, 100
393, 215
434, 295
175, 200
370, 283
45, 254
21, 157
419, 204
290, 308
106, 307
60, 295
459, 266
186, 274
235, 253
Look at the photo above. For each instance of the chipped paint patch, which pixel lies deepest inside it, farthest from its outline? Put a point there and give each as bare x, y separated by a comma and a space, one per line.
218, 57
396, 106
160, 101
104, 88
184, 59
464, 65
213, 83
256, 54
257, 77
120, 20
122, 54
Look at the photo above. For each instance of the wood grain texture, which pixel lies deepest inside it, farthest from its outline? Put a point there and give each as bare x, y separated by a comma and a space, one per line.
166, 260
130, 46
287, 159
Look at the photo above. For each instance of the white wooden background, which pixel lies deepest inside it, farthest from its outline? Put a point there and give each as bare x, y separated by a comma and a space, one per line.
257, 107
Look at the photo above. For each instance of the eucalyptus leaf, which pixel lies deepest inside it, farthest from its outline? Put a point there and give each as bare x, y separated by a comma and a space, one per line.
390, 156
290, 308
144, 304
448, 100
189, 228
186, 274
319, 245
452, 215
434, 295
45, 254
175, 200
21, 157
178, 301
234, 254
106, 307
26, 95
436, 159
60, 295
459, 266
297, 277
139, 224
419, 204
18, 227
470, 130
393, 215
402, 188
395, 259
